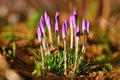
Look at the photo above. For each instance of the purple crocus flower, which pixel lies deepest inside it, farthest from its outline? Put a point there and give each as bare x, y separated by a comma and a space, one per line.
47, 20
39, 34
71, 31
75, 13
77, 31
85, 26
66, 25
88, 26
63, 31
57, 22
71, 21
42, 24
74, 18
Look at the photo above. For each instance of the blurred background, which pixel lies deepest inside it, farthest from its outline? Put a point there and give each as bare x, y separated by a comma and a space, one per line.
19, 19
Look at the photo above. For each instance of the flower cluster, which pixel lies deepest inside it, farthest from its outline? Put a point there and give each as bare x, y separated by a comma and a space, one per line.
74, 35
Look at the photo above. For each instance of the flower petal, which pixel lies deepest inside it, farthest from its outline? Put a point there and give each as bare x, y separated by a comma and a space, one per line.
66, 25
39, 34
63, 31
84, 26
88, 26
47, 20
74, 18
77, 31
71, 22
42, 23
57, 22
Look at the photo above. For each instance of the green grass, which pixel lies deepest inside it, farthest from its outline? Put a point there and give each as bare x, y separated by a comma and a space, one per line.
55, 64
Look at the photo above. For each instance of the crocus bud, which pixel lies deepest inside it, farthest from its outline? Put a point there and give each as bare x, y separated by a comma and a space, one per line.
84, 26
57, 22
88, 26
66, 25
75, 13
74, 18
77, 31
71, 22
57, 16
47, 20
42, 24
63, 31
39, 34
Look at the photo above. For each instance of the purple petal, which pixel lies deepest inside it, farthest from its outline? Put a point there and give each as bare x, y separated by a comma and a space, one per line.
74, 18
84, 26
77, 31
75, 14
57, 22
66, 25
57, 16
64, 28
47, 20
74, 21
88, 26
39, 34
56, 26
63, 31
71, 22
42, 23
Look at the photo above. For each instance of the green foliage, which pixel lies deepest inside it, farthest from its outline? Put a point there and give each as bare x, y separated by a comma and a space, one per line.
55, 64
105, 47
33, 20
10, 53
8, 34
32, 23
102, 58
37, 70
103, 38
70, 58
107, 68
92, 9
83, 68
